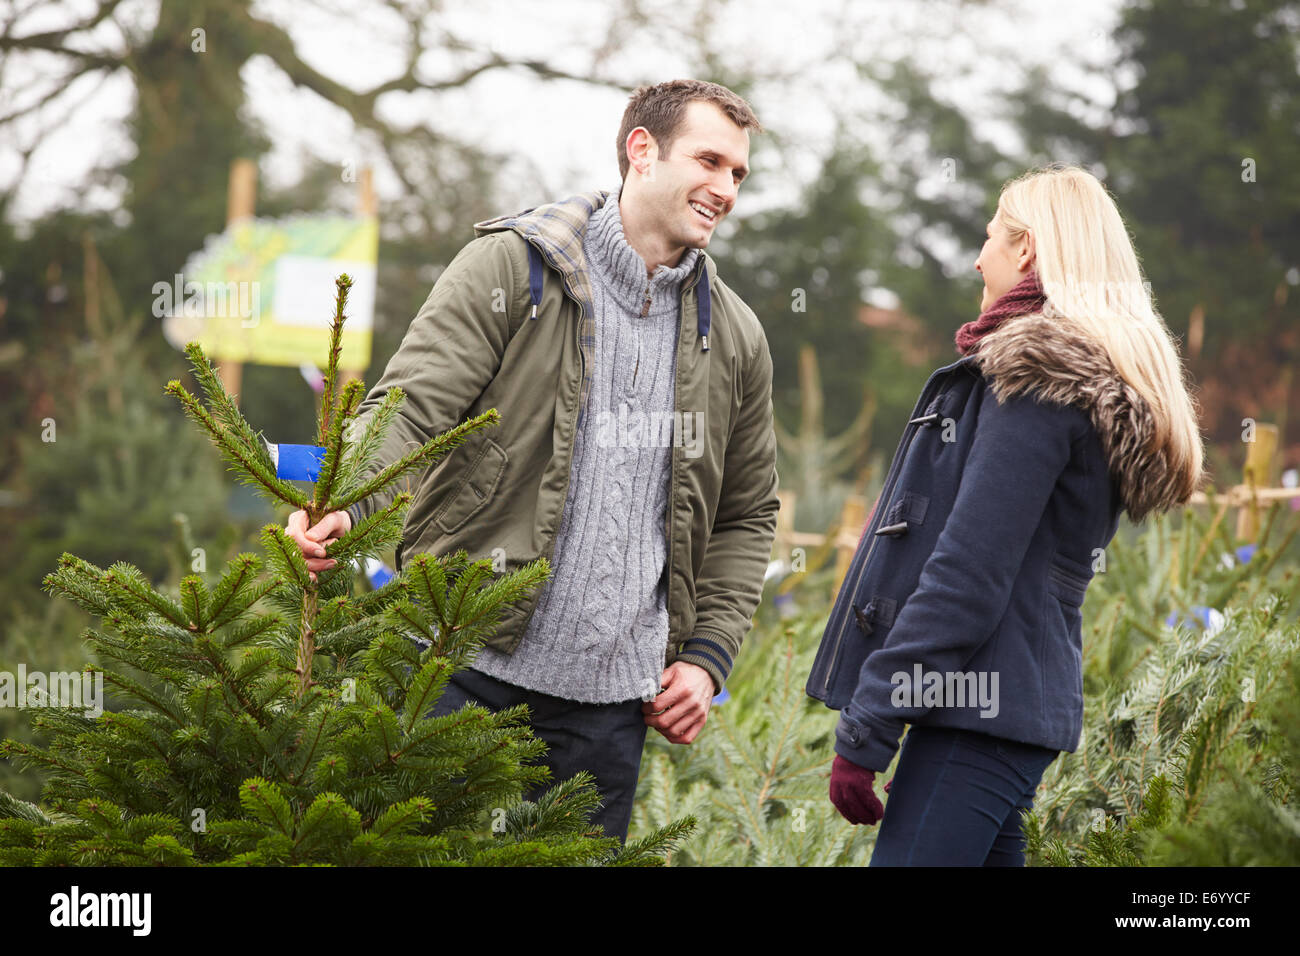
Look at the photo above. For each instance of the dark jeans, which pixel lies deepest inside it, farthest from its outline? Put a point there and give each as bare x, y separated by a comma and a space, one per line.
957, 800
603, 739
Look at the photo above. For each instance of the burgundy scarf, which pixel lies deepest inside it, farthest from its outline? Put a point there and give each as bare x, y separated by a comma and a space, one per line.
1025, 298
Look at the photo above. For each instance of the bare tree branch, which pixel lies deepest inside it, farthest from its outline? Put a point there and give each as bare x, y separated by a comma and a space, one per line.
59, 88
279, 46
426, 40
25, 155
55, 41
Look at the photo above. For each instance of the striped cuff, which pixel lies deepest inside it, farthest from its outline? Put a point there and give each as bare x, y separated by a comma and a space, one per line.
712, 655
354, 512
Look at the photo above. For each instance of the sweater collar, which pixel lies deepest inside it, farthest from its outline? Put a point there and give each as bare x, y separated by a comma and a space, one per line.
623, 271
556, 230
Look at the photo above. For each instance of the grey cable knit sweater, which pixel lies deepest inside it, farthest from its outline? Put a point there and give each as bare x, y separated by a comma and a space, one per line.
600, 628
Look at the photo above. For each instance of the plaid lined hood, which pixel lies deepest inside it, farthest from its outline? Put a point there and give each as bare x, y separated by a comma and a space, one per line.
557, 229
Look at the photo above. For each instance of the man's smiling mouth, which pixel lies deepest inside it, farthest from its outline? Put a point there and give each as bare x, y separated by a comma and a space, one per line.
708, 215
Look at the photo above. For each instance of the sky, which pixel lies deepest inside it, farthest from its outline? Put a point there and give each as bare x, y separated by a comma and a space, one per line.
559, 134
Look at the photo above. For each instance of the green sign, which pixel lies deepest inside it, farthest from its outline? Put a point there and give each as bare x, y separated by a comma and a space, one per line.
263, 291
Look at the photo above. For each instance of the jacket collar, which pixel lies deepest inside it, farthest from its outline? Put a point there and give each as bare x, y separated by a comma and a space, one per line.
1038, 355
557, 228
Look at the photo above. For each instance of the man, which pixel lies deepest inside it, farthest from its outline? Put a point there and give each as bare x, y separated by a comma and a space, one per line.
635, 450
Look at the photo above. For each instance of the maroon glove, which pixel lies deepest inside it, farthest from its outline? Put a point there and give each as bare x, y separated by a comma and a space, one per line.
853, 792
891, 780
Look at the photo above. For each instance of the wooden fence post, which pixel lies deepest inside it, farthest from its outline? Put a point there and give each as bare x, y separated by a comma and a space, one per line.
1256, 475
852, 518
783, 544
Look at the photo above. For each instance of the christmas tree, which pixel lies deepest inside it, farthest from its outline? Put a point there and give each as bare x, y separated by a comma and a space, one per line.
280, 719
757, 780
111, 453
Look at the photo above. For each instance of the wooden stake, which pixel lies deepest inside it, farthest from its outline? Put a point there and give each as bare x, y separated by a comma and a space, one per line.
241, 201
367, 206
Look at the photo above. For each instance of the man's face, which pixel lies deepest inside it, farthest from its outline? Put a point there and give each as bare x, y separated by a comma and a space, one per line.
687, 194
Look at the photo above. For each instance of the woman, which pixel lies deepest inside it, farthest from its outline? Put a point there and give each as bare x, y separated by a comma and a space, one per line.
960, 613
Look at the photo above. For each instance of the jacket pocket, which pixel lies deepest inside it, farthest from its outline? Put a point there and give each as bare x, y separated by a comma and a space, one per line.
1067, 581
1061, 657
477, 484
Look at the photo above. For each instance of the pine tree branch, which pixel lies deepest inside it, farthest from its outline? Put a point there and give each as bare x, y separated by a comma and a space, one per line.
334, 450
138, 731
402, 817
365, 451
428, 685
127, 580
370, 537
266, 802
474, 715
37, 757
410, 615
251, 631
11, 808
222, 606
342, 285
657, 848
230, 683
287, 556
142, 693
251, 470
194, 596
225, 412
431, 451
305, 757
505, 589
75, 580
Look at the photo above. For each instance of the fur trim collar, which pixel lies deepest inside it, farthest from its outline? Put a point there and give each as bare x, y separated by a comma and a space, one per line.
1032, 354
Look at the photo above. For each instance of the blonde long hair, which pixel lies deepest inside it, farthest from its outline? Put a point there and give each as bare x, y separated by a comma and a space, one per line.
1089, 271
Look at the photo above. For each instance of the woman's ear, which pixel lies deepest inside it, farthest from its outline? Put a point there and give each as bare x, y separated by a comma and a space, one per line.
1025, 251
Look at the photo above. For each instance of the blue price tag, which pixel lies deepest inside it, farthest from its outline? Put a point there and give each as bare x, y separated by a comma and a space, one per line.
297, 462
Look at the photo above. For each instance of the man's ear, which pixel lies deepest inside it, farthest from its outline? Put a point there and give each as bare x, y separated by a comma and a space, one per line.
641, 150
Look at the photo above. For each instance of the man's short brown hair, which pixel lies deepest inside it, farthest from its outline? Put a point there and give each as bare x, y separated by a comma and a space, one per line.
661, 109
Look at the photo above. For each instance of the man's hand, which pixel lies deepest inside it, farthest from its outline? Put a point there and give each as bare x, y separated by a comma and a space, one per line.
313, 541
679, 712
